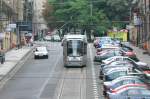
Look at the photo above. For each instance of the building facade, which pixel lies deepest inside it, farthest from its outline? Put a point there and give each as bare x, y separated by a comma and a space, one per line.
12, 12
39, 24
144, 9
140, 32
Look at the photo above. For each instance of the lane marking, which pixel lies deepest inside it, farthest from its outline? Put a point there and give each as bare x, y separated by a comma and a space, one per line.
60, 91
95, 88
49, 76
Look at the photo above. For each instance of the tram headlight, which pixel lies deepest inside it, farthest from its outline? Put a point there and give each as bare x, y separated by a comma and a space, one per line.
68, 59
80, 58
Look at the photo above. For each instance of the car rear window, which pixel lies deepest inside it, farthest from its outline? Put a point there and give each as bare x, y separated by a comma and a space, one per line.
41, 49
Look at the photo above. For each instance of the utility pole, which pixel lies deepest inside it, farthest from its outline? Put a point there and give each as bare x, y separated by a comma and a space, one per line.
1, 23
1, 9
91, 23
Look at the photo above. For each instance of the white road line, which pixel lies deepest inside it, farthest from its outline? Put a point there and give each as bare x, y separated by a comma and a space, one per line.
95, 88
61, 84
49, 76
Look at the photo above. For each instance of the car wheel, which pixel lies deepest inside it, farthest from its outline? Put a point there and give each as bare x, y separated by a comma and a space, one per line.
2, 61
101, 77
104, 93
46, 56
35, 57
95, 60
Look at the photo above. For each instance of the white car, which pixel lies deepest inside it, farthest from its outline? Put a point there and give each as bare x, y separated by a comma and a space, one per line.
40, 52
114, 73
48, 38
110, 83
119, 65
121, 78
56, 38
122, 58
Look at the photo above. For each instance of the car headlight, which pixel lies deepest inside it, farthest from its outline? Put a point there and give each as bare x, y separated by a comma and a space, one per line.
80, 58
45, 53
35, 53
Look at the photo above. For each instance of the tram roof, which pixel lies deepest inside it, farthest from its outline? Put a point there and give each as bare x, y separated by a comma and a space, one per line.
73, 36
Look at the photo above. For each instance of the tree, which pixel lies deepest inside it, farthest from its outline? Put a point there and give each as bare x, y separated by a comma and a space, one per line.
77, 13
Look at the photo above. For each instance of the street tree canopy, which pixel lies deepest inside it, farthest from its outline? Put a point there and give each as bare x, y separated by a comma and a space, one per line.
97, 15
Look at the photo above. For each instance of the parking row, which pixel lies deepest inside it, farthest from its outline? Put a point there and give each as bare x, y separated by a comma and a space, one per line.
123, 75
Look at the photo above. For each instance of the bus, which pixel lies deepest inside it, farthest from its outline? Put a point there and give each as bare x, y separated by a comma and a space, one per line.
74, 50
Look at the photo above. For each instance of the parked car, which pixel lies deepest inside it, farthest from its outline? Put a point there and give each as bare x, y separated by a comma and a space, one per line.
106, 54
121, 78
133, 92
120, 71
127, 52
126, 44
125, 83
117, 64
104, 72
123, 58
115, 73
40, 52
104, 42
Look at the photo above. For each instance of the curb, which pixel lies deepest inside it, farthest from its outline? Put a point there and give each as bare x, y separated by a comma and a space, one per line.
13, 68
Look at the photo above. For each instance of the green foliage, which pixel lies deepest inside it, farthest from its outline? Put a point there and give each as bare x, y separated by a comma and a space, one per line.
78, 12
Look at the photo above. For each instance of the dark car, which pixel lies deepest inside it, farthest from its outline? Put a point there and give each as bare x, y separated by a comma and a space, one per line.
2, 57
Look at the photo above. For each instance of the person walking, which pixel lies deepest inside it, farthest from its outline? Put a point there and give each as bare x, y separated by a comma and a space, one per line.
2, 57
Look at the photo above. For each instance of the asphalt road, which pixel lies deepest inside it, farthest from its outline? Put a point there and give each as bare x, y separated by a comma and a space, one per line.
48, 79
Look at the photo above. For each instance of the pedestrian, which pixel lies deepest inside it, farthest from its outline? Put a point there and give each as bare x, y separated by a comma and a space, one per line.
2, 57
31, 42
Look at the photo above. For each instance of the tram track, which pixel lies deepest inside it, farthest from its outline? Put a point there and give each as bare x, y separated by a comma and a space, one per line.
62, 83
79, 77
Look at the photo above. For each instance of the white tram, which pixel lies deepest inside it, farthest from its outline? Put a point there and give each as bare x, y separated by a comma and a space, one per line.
74, 50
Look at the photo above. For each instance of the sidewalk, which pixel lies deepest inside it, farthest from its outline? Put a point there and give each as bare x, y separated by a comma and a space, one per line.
12, 58
139, 52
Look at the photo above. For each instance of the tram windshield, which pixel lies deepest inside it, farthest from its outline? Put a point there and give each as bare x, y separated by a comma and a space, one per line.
74, 48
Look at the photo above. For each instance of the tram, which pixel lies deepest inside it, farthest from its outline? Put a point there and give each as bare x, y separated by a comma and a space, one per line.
74, 50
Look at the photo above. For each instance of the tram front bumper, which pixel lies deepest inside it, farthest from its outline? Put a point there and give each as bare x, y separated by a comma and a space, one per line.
74, 63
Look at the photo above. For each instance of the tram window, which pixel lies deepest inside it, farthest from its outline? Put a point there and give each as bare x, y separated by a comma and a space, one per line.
69, 48
80, 47
74, 48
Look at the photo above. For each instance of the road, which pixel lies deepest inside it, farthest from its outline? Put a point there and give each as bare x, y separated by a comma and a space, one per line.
48, 79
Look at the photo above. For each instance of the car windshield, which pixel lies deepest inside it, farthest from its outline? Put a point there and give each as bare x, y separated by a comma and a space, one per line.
75, 48
114, 75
